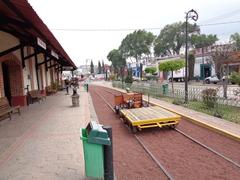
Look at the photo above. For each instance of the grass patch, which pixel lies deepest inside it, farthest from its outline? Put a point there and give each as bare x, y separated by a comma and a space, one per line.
229, 113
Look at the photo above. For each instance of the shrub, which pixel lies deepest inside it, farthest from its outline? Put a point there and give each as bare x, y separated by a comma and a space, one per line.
177, 101
209, 97
235, 78
128, 79
150, 70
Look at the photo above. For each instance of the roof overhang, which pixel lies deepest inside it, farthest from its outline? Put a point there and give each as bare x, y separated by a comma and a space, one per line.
18, 18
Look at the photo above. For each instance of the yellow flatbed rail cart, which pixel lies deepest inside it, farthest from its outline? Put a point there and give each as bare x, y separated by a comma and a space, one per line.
147, 117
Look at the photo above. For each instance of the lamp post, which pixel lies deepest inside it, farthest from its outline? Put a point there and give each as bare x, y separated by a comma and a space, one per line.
192, 14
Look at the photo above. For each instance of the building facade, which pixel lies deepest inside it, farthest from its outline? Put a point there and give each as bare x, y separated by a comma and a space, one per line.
30, 56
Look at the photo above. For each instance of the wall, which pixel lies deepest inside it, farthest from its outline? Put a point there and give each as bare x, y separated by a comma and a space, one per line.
1, 82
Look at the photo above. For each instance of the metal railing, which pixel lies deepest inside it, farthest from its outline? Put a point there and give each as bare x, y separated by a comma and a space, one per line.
227, 108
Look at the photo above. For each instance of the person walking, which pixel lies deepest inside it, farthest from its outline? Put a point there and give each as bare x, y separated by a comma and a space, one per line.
67, 85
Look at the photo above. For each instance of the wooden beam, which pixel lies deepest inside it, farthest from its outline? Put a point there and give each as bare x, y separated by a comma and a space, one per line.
39, 64
10, 50
24, 37
22, 54
8, 20
29, 56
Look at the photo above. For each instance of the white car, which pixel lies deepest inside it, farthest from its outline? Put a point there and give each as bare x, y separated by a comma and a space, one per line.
212, 79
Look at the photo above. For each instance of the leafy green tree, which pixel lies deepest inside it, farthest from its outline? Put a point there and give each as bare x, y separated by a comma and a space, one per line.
171, 66
137, 44
99, 68
117, 60
172, 38
92, 67
235, 39
150, 70
203, 40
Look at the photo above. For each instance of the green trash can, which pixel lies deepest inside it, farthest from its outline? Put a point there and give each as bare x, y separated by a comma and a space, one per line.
165, 89
85, 87
94, 137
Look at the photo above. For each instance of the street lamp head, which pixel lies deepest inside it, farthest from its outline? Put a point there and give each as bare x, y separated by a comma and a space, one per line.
192, 14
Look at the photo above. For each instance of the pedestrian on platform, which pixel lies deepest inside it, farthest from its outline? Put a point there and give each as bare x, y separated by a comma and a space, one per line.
67, 85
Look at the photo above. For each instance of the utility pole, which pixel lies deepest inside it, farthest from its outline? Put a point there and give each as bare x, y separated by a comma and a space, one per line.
192, 14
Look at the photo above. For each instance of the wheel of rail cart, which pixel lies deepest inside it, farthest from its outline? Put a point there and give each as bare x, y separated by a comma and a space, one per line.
124, 120
133, 128
173, 126
121, 115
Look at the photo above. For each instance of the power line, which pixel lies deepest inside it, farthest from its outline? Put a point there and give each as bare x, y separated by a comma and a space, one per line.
223, 16
220, 23
133, 29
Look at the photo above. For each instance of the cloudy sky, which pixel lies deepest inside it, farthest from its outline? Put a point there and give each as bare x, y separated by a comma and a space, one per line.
90, 29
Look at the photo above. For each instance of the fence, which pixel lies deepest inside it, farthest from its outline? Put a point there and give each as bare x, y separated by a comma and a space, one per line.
227, 108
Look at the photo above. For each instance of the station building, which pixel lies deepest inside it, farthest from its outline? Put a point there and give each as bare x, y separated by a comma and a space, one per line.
30, 56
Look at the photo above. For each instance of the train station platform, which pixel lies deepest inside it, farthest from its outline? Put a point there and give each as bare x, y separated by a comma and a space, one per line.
44, 142
222, 126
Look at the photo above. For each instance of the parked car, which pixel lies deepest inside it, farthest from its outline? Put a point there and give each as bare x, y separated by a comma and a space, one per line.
212, 79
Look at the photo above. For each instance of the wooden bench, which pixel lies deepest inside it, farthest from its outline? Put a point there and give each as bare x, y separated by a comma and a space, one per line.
36, 95
50, 90
6, 109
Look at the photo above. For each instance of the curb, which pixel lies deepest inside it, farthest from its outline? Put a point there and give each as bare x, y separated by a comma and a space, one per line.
208, 126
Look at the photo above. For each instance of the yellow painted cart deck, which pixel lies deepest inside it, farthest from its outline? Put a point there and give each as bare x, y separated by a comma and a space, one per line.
147, 117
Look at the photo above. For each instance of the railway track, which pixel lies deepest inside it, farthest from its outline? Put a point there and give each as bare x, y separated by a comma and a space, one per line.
159, 164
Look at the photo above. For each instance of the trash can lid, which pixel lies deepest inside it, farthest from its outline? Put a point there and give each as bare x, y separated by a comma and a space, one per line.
96, 134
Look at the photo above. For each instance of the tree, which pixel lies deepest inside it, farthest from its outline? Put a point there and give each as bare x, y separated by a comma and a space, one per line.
171, 66
191, 63
221, 58
99, 68
151, 70
137, 44
172, 38
235, 39
117, 60
103, 67
92, 67
201, 41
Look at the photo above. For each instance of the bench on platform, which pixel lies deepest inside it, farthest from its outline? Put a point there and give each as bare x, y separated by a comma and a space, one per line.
50, 90
36, 95
6, 109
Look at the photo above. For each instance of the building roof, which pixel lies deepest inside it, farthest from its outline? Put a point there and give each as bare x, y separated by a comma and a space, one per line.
18, 18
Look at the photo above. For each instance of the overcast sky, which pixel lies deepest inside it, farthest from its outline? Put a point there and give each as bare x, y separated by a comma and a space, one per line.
78, 15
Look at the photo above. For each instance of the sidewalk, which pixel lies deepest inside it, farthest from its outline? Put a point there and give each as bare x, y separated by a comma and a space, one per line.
220, 125
44, 142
